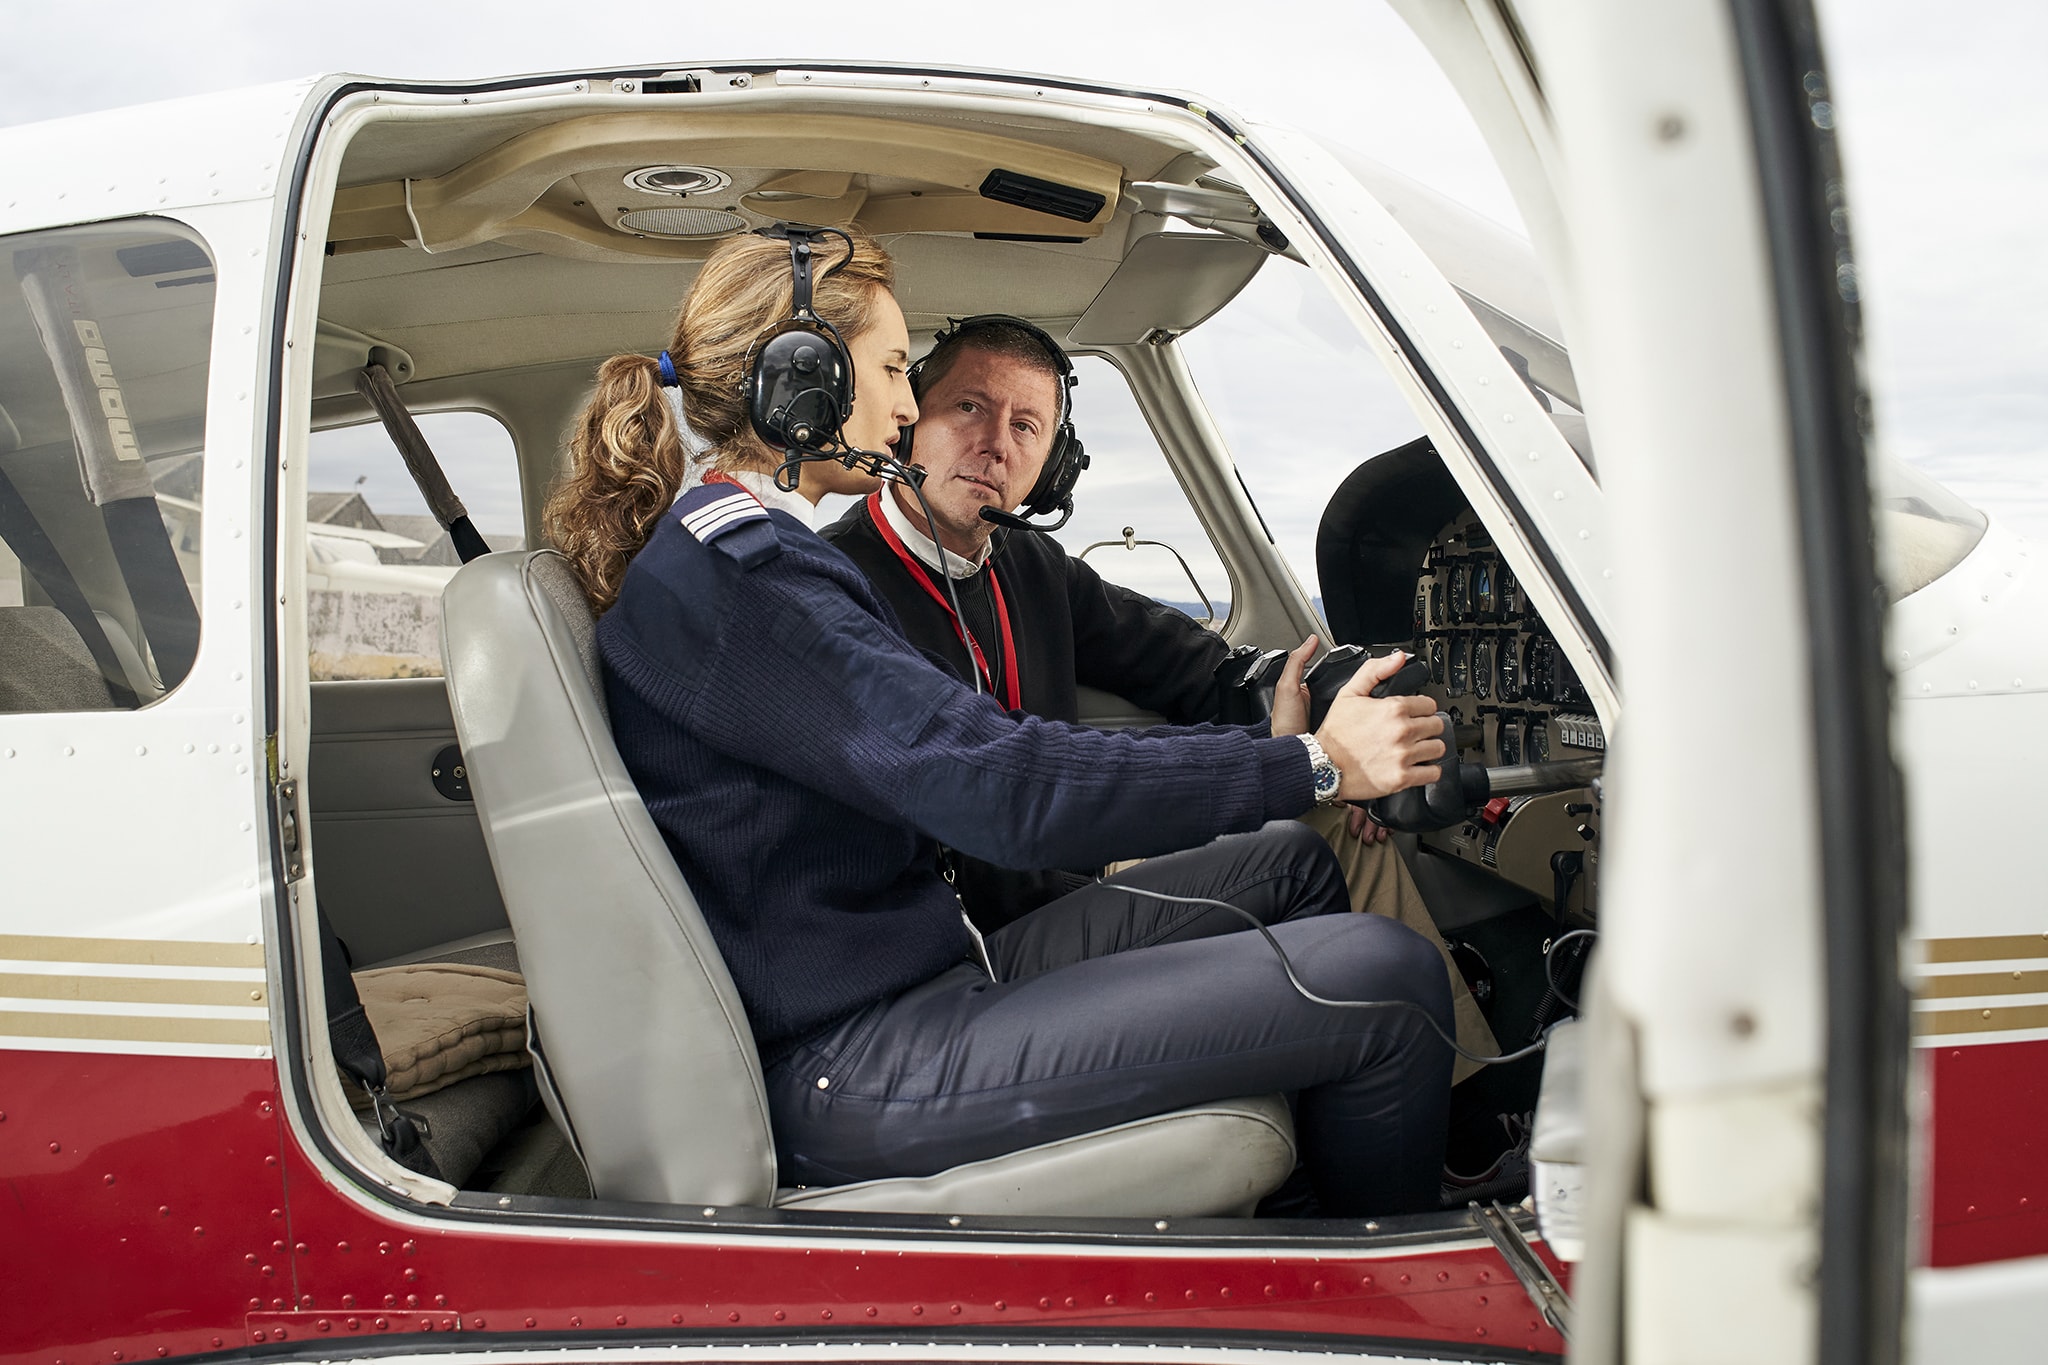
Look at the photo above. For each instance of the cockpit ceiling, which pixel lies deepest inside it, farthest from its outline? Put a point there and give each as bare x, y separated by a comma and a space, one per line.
495, 241
564, 187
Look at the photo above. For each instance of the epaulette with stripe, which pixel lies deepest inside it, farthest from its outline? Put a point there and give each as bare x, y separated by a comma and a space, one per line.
732, 519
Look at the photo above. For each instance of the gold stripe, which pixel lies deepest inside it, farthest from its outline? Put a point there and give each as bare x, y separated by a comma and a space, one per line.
135, 1028
140, 990
1982, 983
1999, 1019
1986, 949
137, 952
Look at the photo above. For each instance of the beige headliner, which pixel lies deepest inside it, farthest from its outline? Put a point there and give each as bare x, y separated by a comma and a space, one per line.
528, 268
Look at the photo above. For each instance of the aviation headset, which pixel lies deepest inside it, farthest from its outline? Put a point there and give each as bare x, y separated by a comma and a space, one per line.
1053, 492
799, 376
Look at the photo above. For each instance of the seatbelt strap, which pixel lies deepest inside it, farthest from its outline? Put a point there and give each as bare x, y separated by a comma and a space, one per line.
356, 1052
111, 468
373, 382
31, 544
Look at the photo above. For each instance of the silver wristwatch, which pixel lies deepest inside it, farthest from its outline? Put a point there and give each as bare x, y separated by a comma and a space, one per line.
1323, 772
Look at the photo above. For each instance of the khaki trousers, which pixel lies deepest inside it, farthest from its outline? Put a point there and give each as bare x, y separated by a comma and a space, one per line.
1379, 884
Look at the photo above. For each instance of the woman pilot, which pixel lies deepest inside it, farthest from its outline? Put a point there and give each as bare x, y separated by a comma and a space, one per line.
805, 764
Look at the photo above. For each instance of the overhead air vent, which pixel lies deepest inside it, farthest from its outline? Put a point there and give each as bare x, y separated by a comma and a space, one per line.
677, 180
1043, 196
682, 222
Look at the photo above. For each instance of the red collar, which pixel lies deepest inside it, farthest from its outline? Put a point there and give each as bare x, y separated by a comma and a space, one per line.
1011, 693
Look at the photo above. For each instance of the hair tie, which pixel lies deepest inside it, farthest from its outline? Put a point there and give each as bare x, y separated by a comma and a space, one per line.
668, 372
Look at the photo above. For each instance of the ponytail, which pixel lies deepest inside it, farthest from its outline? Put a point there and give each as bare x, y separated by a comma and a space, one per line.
626, 466
626, 456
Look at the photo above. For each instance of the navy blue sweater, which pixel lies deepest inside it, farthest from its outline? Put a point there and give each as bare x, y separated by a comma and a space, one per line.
800, 758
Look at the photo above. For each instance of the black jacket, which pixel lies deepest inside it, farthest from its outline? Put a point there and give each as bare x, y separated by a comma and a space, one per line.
1069, 627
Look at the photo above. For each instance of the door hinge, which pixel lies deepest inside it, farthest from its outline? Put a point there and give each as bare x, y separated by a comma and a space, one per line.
1546, 1295
291, 835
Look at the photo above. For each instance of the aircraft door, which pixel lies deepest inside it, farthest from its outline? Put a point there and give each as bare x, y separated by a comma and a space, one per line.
1749, 1038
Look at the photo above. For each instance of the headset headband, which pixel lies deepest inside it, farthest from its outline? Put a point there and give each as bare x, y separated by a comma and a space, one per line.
959, 332
802, 241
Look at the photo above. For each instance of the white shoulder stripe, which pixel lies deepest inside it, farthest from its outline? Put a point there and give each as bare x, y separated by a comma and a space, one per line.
718, 508
707, 527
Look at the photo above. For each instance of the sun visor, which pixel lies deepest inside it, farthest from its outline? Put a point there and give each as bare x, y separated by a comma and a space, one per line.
1171, 281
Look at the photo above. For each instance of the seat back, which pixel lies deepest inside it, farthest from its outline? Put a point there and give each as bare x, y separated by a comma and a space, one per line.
647, 1046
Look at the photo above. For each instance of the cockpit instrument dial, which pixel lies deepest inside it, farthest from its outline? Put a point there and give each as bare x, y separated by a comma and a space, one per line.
1436, 603
1510, 732
1461, 593
1538, 747
1509, 669
1461, 666
1510, 595
1436, 660
1482, 590
1482, 666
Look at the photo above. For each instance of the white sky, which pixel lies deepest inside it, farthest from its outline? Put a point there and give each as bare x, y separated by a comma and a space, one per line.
1944, 125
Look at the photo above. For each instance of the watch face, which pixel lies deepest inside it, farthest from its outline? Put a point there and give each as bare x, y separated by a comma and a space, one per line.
1326, 779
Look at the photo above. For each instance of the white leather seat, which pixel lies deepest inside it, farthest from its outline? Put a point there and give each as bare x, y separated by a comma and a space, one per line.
641, 1045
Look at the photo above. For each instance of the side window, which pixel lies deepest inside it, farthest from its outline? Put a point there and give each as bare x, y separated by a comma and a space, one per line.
1301, 401
1129, 484
376, 560
105, 334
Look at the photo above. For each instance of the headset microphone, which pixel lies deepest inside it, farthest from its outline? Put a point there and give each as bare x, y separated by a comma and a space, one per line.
1017, 523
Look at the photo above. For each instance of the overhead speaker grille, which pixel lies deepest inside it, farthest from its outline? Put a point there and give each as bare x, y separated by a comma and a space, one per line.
682, 221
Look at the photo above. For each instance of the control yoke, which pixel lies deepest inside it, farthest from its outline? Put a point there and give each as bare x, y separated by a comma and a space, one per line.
1463, 787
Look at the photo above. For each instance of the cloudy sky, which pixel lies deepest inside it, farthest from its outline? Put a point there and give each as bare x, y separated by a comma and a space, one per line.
1945, 127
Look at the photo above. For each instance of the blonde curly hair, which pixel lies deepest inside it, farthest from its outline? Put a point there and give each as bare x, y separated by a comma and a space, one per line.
627, 460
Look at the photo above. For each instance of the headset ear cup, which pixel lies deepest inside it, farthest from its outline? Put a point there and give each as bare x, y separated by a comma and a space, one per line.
799, 386
1055, 485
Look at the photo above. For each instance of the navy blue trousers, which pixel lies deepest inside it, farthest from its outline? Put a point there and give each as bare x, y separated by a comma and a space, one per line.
1110, 1007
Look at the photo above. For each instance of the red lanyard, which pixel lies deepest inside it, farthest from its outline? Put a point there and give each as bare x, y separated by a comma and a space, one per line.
1011, 694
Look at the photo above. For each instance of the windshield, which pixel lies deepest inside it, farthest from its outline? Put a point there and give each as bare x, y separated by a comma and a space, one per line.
1923, 529
1496, 273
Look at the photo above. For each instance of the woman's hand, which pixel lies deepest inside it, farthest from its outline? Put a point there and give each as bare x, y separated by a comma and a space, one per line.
1290, 694
1381, 745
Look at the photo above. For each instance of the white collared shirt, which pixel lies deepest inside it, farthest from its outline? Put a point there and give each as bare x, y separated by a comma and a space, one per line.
762, 486
923, 546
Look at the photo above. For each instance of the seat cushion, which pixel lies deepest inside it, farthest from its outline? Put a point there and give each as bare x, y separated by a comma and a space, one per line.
1213, 1159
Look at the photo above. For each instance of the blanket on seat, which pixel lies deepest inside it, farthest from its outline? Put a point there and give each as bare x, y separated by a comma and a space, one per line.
442, 1022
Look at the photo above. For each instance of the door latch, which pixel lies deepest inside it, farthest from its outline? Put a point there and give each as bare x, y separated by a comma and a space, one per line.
291, 840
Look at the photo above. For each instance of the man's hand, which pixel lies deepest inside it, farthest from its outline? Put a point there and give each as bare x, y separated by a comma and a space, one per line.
1381, 745
1290, 694
1364, 828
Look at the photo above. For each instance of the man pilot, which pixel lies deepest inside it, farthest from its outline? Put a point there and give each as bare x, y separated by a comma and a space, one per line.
995, 431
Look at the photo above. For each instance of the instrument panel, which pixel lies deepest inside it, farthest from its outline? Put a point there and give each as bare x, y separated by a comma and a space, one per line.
1496, 668
1493, 664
